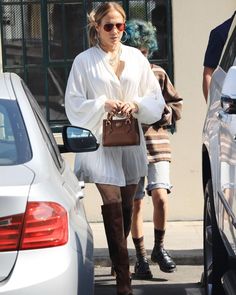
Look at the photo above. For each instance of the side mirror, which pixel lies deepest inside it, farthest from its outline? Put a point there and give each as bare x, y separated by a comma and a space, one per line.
228, 96
78, 140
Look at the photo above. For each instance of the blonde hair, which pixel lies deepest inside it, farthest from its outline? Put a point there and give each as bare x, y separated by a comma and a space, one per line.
96, 16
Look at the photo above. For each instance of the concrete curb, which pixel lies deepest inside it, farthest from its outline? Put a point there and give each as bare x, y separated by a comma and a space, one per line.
184, 242
181, 257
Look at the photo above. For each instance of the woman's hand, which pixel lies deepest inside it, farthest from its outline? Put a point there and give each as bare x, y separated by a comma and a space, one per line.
113, 106
129, 108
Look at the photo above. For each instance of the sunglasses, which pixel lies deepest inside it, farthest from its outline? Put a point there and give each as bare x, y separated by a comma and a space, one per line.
109, 27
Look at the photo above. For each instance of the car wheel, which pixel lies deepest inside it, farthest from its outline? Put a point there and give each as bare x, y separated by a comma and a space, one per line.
215, 256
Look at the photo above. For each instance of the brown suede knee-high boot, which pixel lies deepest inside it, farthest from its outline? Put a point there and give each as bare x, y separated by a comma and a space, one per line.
114, 228
127, 218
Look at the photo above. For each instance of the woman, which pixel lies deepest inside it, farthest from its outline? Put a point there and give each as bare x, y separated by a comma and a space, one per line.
142, 35
109, 78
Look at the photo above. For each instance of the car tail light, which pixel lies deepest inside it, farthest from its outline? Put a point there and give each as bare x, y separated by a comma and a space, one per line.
44, 224
10, 232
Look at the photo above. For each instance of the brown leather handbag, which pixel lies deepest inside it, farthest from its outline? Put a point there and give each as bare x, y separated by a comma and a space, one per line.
120, 132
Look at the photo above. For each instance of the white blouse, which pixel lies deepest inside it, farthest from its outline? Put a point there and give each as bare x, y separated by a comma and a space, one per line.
92, 81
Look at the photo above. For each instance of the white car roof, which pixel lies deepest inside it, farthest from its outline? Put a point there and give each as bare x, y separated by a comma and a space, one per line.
6, 89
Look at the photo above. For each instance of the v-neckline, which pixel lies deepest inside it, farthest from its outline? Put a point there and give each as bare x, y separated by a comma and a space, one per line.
120, 69
108, 66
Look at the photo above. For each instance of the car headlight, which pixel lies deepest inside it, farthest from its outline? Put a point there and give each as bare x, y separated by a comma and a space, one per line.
228, 104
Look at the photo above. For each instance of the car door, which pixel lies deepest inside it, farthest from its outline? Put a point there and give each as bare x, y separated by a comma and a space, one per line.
227, 156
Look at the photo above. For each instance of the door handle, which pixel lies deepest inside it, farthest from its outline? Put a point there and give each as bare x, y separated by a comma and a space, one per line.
81, 184
79, 195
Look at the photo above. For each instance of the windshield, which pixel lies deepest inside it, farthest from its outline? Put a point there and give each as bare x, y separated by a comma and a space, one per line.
14, 143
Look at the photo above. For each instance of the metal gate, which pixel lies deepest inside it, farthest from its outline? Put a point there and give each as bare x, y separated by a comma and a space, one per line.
40, 39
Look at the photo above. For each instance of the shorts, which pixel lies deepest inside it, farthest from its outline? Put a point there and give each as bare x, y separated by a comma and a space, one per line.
158, 177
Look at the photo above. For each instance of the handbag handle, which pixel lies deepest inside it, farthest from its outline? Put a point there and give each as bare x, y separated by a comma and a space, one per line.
111, 117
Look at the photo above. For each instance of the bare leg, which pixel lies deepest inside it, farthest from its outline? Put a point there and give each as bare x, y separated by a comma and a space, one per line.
137, 219
160, 208
127, 194
109, 193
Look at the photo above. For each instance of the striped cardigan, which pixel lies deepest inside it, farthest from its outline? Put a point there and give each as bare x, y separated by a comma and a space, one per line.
157, 135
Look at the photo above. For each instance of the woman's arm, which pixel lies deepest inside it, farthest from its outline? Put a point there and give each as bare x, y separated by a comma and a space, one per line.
150, 101
81, 110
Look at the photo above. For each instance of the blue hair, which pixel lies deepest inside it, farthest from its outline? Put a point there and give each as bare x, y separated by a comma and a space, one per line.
141, 34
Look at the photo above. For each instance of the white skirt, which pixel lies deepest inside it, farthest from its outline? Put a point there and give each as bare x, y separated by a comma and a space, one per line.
119, 166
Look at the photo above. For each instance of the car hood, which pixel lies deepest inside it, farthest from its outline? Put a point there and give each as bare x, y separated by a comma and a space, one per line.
15, 184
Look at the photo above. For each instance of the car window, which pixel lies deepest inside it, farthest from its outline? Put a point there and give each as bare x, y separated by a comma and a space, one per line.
230, 53
45, 129
14, 143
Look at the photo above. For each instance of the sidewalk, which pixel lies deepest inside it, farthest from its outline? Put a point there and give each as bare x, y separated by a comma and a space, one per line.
184, 241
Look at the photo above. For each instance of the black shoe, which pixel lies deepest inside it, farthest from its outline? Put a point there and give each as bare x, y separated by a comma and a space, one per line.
163, 258
142, 270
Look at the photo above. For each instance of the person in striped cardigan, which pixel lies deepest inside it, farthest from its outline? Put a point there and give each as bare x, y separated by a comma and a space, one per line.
142, 35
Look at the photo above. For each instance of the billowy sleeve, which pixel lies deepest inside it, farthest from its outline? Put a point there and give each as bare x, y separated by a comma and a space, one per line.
82, 111
150, 100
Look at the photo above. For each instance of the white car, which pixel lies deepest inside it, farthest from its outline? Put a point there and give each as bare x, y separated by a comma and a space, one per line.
219, 175
46, 243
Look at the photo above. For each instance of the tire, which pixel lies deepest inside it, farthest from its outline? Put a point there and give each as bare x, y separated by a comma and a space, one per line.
215, 255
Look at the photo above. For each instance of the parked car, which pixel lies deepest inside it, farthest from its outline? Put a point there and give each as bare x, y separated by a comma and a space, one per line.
46, 243
219, 175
